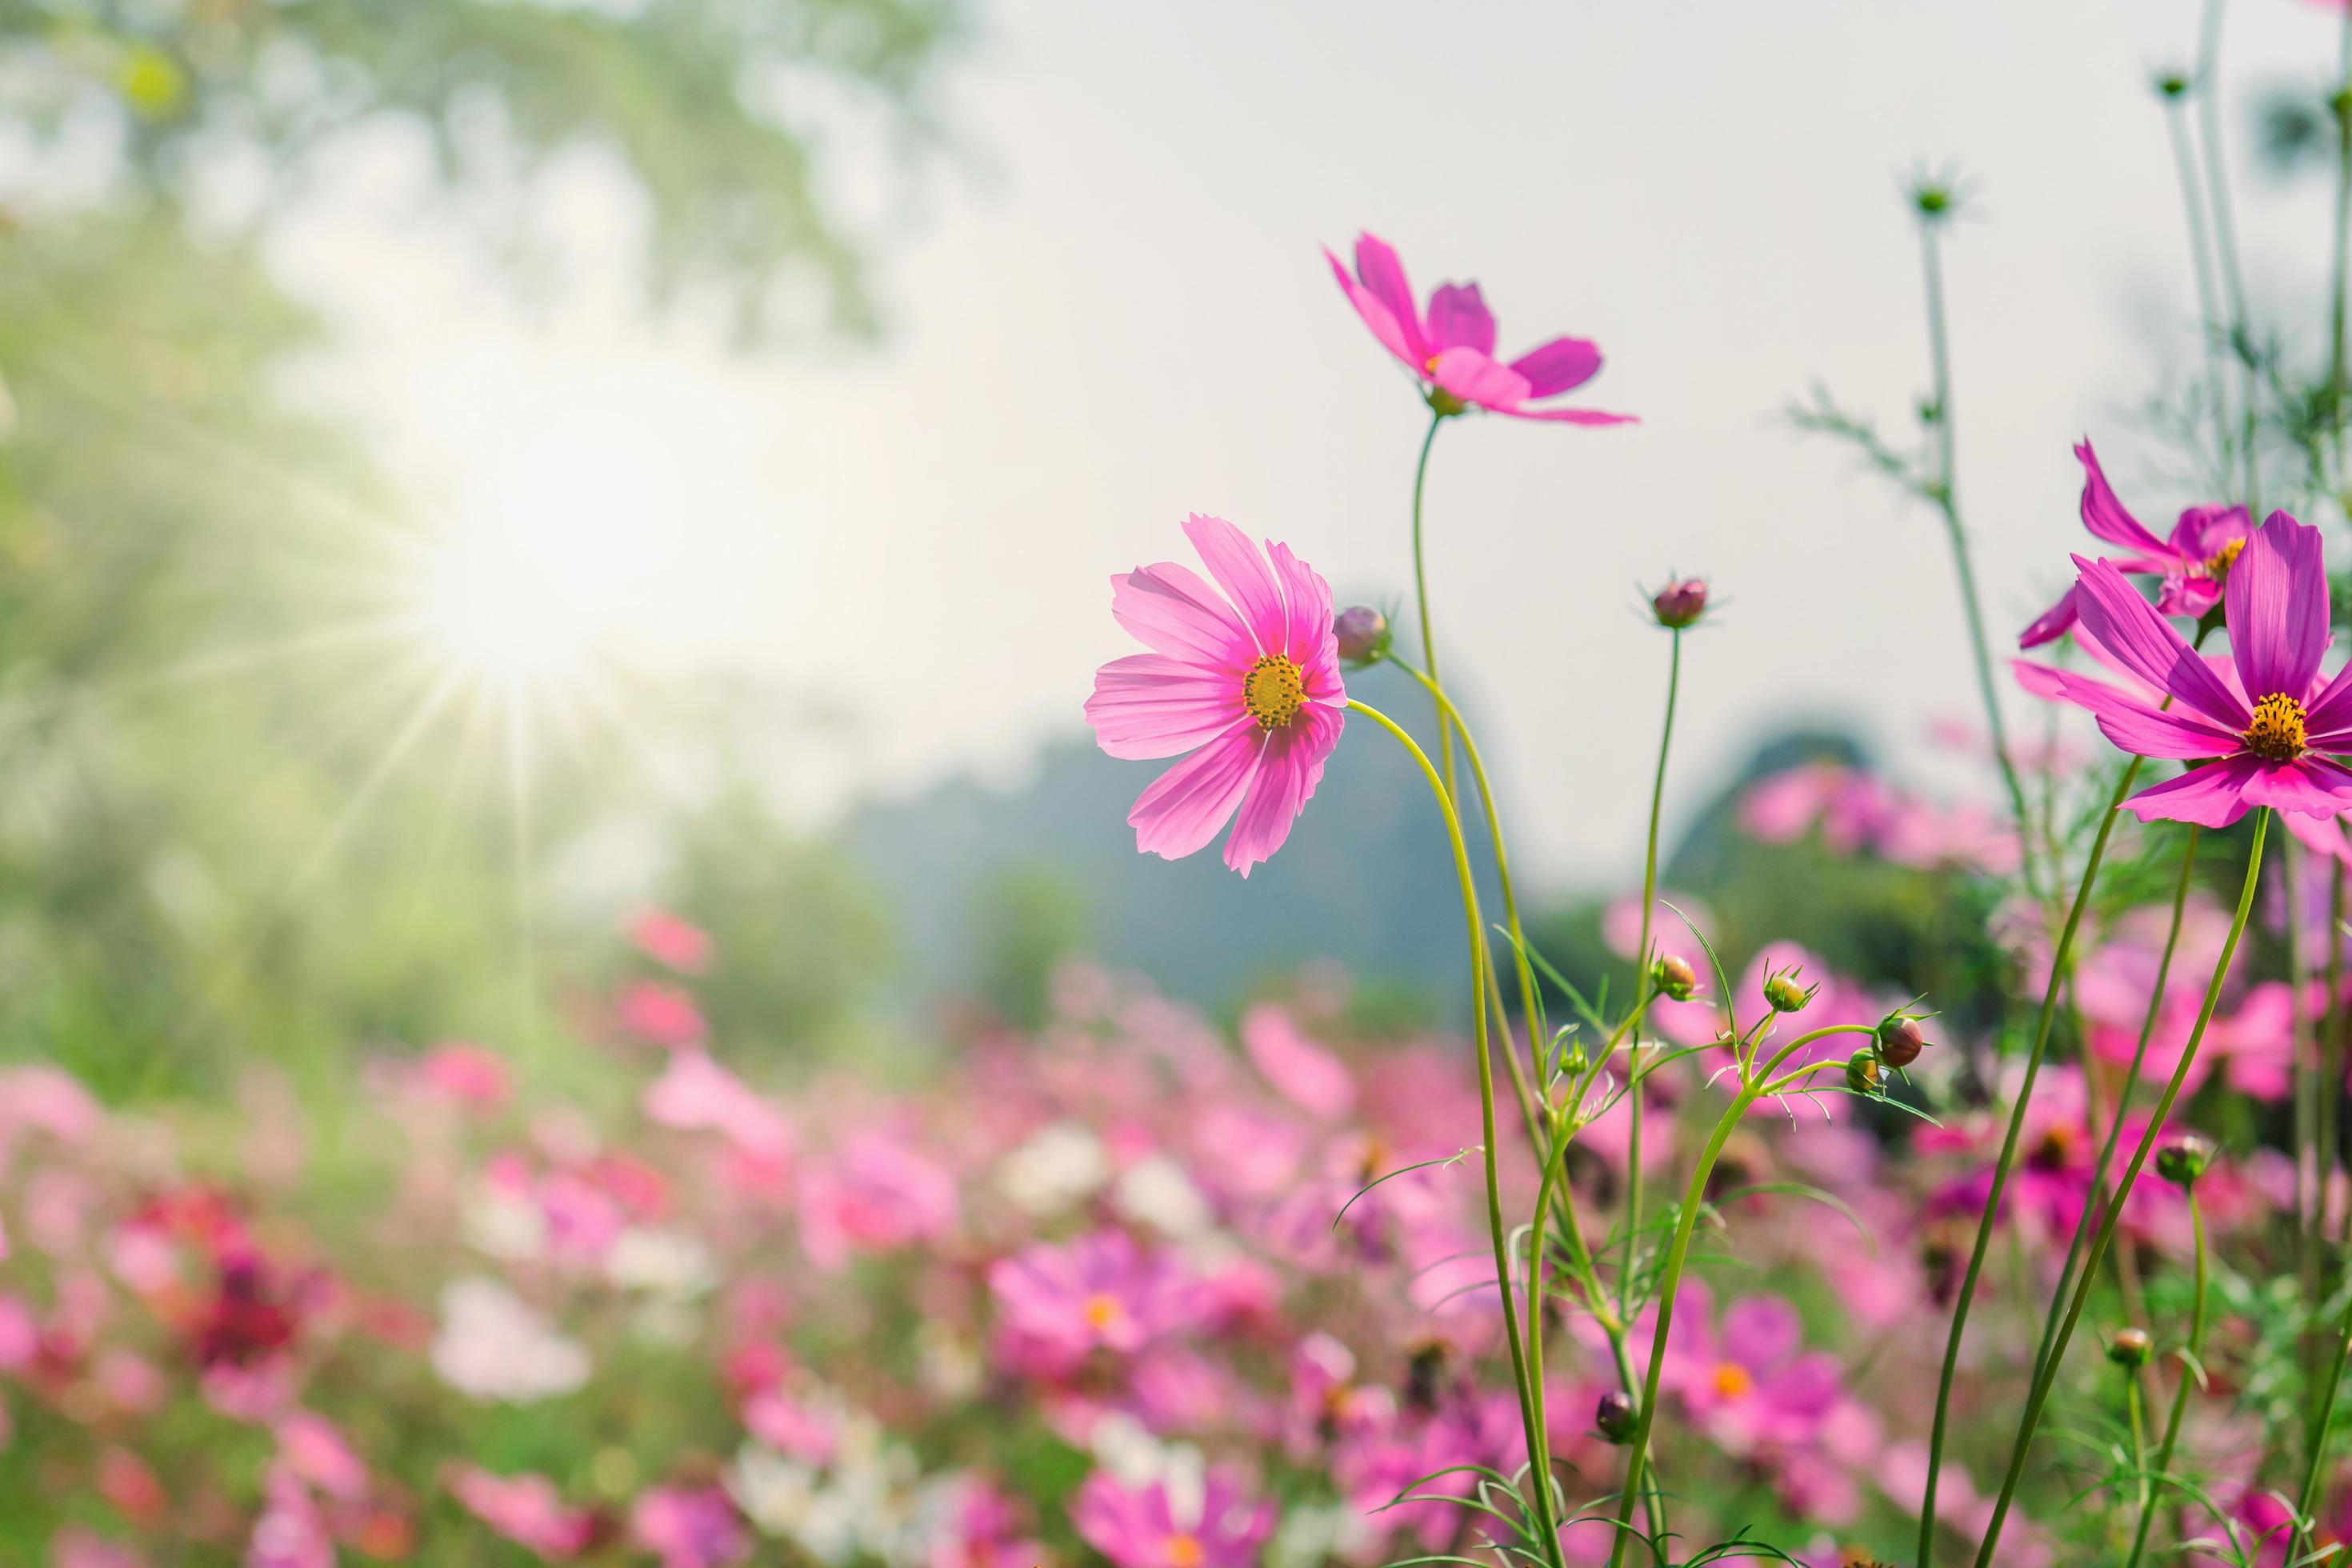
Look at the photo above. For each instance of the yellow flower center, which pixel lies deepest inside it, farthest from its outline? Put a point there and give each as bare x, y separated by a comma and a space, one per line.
2276, 733
1731, 1380
1102, 1311
2217, 566
1184, 1551
1274, 691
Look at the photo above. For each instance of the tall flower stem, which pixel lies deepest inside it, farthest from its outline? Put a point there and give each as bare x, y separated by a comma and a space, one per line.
2040, 1396
1421, 607
2225, 239
1753, 1087
2310, 1175
1649, 904
2316, 1462
2059, 958
2331, 1039
2192, 1361
2208, 300
2123, 1106
1653, 1500
1531, 1395
1945, 493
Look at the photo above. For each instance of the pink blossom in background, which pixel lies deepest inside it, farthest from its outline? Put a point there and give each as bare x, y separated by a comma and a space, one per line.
1146, 1527
696, 1094
1620, 925
1848, 805
2192, 563
291, 1532
1451, 347
984, 1530
1061, 1302
1751, 1383
313, 1450
1254, 695
130, 1487
468, 1075
876, 1195
526, 1509
75, 1547
1308, 1075
690, 1527
662, 1015
672, 941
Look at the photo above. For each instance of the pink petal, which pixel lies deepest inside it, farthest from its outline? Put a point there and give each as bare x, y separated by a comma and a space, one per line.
2202, 531
2038, 680
2105, 516
1147, 705
1383, 275
1286, 781
2311, 786
1187, 804
1378, 317
1242, 573
1572, 415
1459, 319
2327, 717
1306, 635
2212, 794
1559, 365
1170, 610
2146, 644
2144, 731
2050, 623
1759, 1331
2277, 608
2190, 597
1473, 378
2322, 835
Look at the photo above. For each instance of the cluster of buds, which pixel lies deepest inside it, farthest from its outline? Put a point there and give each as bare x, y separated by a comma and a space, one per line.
1674, 978
1894, 1044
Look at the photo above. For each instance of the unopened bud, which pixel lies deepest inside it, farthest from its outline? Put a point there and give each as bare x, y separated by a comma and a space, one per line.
1614, 1416
1676, 981
1785, 994
1680, 603
1363, 633
2182, 1161
1862, 1072
1900, 1041
2129, 1348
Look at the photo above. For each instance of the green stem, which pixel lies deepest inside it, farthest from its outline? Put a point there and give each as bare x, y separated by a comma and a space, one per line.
2190, 1363
1596, 1302
1753, 1087
2331, 1036
2058, 961
2039, 1395
1530, 1398
2131, 1077
1947, 499
2225, 239
1421, 605
2308, 1498
1649, 903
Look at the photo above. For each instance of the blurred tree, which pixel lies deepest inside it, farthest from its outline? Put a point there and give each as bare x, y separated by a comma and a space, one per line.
216, 830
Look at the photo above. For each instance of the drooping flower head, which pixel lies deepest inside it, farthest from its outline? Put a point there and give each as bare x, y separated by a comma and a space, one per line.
1451, 347
2256, 728
2194, 561
1253, 693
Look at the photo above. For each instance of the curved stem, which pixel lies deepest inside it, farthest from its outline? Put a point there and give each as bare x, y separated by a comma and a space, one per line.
1641, 1011
2131, 1077
2316, 1462
2190, 1363
1597, 1303
1754, 1086
1530, 1397
2039, 1395
1420, 605
2058, 961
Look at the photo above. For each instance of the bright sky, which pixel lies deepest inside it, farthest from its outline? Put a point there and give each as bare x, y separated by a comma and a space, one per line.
1112, 310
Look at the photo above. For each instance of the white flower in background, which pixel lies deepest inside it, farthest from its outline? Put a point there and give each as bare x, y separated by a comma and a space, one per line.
503, 1225
775, 1493
668, 1264
1312, 1534
1137, 1459
1156, 1192
492, 1345
1061, 1165
947, 1364
866, 1504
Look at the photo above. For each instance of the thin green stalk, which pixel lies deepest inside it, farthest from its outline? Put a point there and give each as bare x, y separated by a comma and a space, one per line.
2058, 961
1596, 1300
2191, 1361
2225, 239
2209, 303
2309, 1189
1753, 1087
1421, 604
2138, 1434
1530, 1397
2308, 1498
2039, 1395
2131, 1077
1946, 499
1649, 902
2331, 1037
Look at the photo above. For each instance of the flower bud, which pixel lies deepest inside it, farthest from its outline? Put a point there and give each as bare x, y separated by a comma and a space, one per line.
1363, 633
1900, 1041
1614, 1416
2129, 1348
2182, 1161
1862, 1072
1785, 994
1680, 603
1675, 980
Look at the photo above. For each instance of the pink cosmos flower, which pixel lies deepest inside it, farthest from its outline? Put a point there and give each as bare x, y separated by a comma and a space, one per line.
1751, 1384
1308, 1075
876, 1195
1254, 695
672, 941
663, 1015
1451, 348
526, 1509
2193, 562
2255, 742
690, 1527
1060, 1304
1147, 1527
465, 1074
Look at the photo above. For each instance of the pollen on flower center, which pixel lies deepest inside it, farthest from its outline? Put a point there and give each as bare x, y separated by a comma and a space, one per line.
2276, 734
1732, 1380
2217, 566
1274, 691
1184, 1551
1102, 1311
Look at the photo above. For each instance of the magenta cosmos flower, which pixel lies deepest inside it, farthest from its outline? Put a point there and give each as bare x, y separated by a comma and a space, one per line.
2255, 736
1451, 348
1217, 1526
1253, 694
2193, 562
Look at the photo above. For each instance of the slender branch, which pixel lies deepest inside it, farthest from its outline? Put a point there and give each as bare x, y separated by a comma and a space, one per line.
1421, 604
1649, 902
